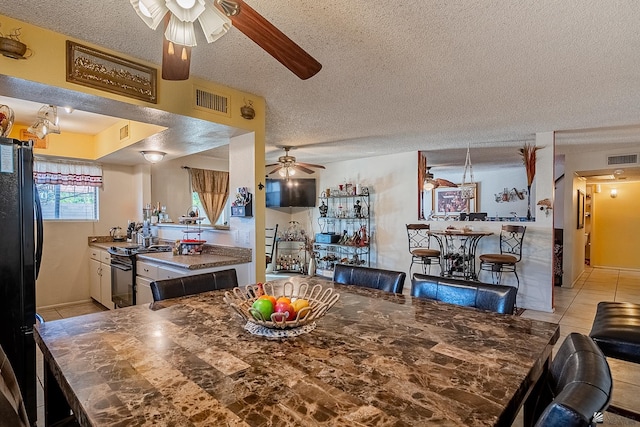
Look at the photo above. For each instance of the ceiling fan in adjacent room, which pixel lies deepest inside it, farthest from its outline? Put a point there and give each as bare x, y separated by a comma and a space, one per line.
430, 182
216, 17
287, 165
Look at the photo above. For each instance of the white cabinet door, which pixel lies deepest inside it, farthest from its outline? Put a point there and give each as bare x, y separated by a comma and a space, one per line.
94, 279
105, 287
143, 291
172, 273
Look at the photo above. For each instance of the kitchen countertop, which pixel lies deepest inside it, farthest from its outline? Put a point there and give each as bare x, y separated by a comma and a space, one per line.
189, 262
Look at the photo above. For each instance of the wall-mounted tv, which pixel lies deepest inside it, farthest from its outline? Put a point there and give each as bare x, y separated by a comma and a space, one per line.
298, 192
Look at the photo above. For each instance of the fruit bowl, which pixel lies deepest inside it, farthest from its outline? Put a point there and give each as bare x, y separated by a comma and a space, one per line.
319, 299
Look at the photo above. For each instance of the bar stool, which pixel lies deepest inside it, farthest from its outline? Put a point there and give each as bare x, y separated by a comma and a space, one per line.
420, 247
511, 237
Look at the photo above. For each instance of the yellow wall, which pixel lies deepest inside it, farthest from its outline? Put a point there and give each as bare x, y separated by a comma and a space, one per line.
615, 235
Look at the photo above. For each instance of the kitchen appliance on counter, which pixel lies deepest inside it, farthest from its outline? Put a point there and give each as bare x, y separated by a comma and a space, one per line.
19, 263
123, 272
117, 234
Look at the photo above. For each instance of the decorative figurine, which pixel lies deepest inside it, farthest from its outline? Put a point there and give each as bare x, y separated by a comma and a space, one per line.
357, 209
323, 209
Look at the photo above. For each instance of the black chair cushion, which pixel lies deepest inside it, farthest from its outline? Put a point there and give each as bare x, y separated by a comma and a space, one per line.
468, 293
616, 330
191, 285
385, 280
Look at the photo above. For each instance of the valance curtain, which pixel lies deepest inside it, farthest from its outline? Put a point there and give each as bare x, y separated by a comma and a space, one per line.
213, 190
67, 173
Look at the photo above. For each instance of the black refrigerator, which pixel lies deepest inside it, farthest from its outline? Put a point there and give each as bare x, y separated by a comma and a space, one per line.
20, 255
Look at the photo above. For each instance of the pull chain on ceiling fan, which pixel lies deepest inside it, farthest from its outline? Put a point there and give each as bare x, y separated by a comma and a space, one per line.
287, 165
215, 18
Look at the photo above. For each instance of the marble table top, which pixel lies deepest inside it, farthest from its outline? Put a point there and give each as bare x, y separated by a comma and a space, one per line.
374, 359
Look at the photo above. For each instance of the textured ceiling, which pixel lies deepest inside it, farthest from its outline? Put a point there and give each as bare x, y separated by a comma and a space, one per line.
409, 75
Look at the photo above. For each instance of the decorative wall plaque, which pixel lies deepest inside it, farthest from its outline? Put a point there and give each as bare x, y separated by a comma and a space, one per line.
90, 67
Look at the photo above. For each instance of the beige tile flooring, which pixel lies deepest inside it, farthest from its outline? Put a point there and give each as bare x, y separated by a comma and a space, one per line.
575, 310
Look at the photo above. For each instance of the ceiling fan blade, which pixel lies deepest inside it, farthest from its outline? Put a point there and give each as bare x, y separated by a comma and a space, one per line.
272, 164
272, 40
444, 183
302, 168
275, 170
175, 65
310, 165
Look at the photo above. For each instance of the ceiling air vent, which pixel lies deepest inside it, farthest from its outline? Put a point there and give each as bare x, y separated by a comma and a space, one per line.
623, 159
207, 100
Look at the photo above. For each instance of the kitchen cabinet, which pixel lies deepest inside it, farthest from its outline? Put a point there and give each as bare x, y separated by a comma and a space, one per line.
350, 218
100, 277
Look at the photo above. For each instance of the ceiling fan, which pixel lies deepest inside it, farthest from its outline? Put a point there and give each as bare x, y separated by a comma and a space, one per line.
430, 182
287, 165
216, 17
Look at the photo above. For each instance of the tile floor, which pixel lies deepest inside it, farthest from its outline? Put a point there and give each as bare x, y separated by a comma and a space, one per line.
575, 310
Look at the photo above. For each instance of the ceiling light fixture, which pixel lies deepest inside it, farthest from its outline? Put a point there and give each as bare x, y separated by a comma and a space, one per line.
614, 193
153, 156
180, 29
47, 122
287, 172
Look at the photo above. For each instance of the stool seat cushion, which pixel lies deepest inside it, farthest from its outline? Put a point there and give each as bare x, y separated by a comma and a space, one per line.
425, 252
616, 330
498, 258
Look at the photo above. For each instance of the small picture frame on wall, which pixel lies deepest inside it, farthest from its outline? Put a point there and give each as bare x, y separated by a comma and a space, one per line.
580, 210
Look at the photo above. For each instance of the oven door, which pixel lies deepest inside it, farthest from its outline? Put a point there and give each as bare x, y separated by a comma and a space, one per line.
122, 291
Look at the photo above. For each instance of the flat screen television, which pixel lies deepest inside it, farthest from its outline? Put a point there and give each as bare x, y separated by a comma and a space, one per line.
297, 192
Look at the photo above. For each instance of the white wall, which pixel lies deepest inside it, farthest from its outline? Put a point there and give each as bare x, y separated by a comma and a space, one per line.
64, 275
392, 181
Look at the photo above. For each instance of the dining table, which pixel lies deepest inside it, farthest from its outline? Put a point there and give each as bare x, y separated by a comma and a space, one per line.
374, 359
458, 251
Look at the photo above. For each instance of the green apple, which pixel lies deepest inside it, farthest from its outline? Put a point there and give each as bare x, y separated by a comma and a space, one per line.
262, 307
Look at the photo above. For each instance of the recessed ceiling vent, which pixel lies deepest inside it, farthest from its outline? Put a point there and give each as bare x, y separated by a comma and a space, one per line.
207, 100
623, 159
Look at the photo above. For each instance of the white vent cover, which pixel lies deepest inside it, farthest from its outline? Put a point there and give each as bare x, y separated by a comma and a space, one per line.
622, 159
207, 100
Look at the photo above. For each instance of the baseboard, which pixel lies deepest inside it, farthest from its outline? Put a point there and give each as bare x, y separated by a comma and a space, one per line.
64, 304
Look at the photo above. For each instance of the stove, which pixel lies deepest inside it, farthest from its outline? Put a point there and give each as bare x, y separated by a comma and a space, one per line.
123, 271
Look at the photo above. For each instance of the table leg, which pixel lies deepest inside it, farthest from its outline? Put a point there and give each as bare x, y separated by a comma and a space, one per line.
531, 409
56, 407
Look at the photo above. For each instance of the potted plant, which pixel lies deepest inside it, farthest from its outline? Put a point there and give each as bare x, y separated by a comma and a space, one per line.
528, 153
11, 46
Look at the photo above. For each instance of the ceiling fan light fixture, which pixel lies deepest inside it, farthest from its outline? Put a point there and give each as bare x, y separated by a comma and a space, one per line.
214, 24
428, 184
153, 156
38, 128
186, 10
180, 32
150, 11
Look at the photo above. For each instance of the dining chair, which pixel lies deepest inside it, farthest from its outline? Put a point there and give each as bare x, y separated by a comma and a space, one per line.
578, 387
191, 285
376, 278
511, 238
420, 248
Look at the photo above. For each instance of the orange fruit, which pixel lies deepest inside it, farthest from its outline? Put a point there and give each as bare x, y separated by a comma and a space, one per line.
270, 298
284, 299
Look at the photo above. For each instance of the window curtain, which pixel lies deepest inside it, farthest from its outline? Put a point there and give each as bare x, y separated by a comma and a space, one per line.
213, 190
67, 173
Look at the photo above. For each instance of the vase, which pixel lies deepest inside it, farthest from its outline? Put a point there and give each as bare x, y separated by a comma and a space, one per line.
312, 267
6, 120
529, 203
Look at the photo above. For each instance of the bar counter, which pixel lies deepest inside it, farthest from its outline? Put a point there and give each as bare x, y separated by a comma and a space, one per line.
374, 359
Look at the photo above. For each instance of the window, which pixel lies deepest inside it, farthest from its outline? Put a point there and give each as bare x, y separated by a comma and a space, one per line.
69, 202
68, 190
224, 216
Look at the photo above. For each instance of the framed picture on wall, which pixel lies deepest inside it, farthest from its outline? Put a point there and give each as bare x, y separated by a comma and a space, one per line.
449, 201
580, 209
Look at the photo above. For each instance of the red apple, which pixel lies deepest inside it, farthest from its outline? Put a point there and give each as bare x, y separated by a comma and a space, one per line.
286, 309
